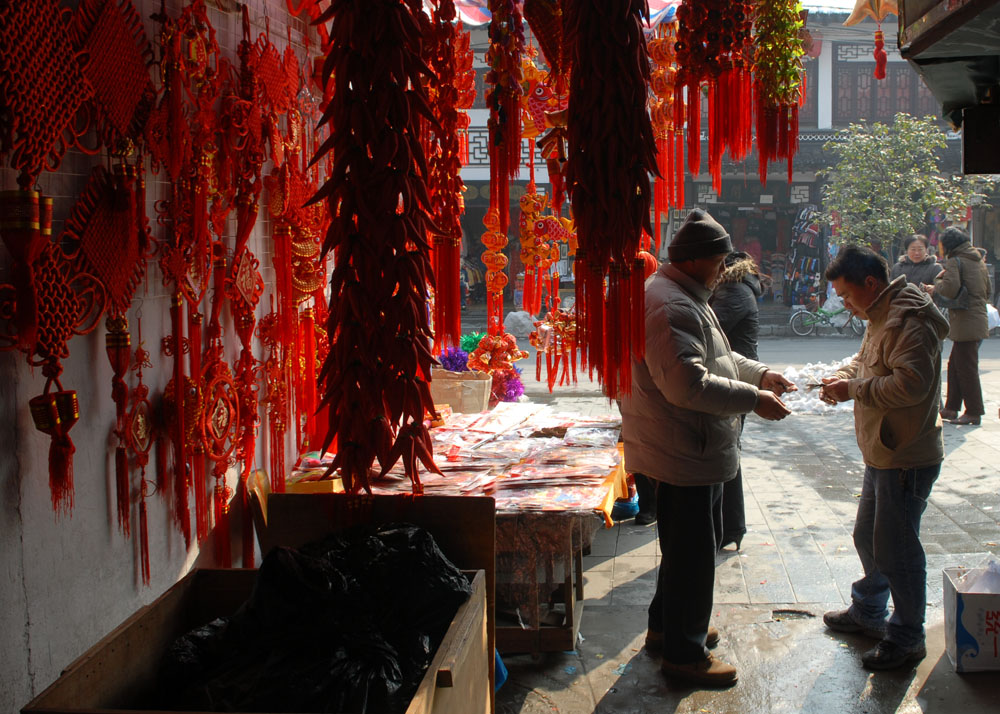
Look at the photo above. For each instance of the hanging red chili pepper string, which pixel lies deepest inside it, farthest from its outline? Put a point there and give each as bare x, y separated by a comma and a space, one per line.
376, 375
611, 153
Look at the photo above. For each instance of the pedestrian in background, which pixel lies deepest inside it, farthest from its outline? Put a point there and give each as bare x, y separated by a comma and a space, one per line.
895, 382
680, 427
918, 265
964, 269
734, 302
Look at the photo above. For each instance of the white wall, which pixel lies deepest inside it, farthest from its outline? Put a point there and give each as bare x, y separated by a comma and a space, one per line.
66, 582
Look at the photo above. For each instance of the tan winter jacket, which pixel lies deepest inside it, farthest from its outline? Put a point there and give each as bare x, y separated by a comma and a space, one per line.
972, 324
895, 380
681, 422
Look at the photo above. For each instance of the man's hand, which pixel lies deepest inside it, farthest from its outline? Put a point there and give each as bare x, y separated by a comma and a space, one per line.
834, 390
774, 382
929, 289
770, 407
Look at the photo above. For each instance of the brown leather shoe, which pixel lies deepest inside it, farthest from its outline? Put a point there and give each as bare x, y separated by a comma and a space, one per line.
710, 672
948, 414
966, 420
654, 639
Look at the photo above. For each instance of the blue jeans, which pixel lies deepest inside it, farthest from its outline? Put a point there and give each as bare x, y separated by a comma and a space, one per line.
887, 538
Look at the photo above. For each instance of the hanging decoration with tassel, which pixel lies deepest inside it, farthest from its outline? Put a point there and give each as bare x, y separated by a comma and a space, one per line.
444, 182
669, 187
108, 237
876, 10
503, 99
777, 82
611, 154
139, 438
713, 49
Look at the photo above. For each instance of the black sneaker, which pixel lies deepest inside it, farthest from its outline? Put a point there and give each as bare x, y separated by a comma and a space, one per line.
889, 655
841, 621
644, 519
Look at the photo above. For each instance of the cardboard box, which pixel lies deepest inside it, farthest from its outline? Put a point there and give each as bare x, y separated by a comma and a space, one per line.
465, 392
118, 672
972, 626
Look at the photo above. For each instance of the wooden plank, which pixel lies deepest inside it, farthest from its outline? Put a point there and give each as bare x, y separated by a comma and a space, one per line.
462, 655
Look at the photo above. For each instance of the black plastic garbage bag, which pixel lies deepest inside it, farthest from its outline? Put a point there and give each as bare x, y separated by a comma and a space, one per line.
347, 624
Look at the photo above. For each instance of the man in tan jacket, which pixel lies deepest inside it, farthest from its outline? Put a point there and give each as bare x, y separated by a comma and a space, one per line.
895, 382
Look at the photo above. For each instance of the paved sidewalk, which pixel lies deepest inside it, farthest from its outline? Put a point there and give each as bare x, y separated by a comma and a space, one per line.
802, 481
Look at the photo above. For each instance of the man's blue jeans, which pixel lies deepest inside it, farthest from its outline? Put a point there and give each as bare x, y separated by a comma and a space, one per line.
887, 537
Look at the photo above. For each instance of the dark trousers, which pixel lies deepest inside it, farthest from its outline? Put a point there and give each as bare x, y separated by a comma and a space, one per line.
682, 606
645, 487
963, 379
734, 520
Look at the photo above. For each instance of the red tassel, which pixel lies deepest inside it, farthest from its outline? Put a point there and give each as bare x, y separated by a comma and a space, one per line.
223, 554
309, 387
182, 514
248, 532
143, 541
881, 58
538, 365
122, 490
694, 127
61, 450
680, 201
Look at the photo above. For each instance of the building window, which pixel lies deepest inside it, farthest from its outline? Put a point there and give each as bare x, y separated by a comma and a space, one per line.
858, 96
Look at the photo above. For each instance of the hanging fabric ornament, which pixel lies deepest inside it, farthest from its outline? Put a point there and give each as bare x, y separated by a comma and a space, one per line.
495, 240
43, 87
876, 10
119, 55
713, 48
532, 204
611, 153
555, 337
465, 88
67, 305
444, 181
503, 98
663, 79
24, 218
777, 82
546, 19
139, 438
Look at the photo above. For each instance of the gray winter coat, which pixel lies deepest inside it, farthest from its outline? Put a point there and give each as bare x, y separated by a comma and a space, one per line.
923, 272
681, 422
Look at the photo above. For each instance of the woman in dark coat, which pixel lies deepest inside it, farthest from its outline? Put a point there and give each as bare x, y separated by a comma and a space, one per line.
919, 266
735, 304
964, 267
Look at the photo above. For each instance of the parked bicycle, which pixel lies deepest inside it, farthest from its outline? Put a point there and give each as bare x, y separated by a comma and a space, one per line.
804, 322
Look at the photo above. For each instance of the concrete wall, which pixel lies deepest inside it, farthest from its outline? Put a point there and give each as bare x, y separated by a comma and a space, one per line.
66, 582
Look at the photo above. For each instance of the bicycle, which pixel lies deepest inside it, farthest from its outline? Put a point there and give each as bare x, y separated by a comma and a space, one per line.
803, 322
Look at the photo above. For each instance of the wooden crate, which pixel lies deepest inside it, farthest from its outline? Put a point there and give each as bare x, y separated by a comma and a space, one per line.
120, 671
464, 528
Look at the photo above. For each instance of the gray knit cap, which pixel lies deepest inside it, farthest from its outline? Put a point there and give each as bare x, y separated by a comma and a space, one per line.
700, 236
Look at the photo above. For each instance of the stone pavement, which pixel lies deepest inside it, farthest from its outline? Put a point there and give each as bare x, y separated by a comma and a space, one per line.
802, 480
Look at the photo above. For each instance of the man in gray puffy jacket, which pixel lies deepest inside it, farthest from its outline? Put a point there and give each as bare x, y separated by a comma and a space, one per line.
680, 426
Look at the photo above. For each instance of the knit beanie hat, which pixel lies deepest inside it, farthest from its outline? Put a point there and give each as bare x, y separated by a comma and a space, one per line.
700, 236
952, 238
